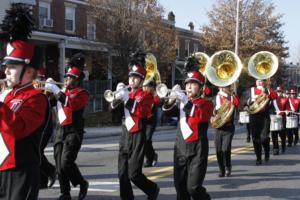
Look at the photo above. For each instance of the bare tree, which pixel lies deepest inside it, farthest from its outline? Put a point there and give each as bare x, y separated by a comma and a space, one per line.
259, 30
132, 25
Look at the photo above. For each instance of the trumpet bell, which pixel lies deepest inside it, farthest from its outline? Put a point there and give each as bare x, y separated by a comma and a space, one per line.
109, 96
223, 68
263, 65
162, 90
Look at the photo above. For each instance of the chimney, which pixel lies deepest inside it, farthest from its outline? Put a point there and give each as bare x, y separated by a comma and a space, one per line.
191, 25
171, 17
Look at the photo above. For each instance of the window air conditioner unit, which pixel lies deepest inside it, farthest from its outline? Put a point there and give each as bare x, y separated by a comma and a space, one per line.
44, 22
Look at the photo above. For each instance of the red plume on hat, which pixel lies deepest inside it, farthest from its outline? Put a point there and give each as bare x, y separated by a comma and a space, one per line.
16, 28
137, 64
191, 68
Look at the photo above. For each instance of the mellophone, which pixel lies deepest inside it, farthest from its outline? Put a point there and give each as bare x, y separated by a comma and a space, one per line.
276, 123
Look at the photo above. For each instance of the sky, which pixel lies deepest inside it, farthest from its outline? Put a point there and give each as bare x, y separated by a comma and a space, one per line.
196, 11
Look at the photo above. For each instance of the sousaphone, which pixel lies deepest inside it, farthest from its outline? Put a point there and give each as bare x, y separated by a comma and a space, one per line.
223, 69
262, 65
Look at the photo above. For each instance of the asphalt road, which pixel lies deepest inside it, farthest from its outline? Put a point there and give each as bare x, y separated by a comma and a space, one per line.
277, 179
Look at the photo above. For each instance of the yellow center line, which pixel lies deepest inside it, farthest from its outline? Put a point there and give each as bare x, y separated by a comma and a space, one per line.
167, 171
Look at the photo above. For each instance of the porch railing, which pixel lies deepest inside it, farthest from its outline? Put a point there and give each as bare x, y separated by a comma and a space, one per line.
96, 89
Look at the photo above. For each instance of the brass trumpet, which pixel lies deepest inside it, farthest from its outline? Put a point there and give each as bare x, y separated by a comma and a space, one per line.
111, 96
40, 85
50, 81
163, 91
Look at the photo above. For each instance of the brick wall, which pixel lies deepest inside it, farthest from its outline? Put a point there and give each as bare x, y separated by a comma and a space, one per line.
58, 16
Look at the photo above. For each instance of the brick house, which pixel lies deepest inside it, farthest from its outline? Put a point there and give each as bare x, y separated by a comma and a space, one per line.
63, 29
187, 42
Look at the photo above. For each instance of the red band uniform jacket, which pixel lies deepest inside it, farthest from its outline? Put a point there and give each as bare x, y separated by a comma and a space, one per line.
22, 119
193, 123
293, 104
137, 108
280, 104
73, 102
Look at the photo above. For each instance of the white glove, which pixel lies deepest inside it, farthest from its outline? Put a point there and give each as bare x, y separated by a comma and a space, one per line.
52, 88
120, 86
122, 94
181, 96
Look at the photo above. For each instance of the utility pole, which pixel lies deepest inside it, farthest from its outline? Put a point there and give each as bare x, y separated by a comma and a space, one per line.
236, 36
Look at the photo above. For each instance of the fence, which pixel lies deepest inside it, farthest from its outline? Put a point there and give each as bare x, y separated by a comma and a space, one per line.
96, 89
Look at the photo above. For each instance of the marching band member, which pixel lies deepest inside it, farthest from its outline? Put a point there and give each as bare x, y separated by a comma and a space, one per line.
279, 105
293, 106
224, 134
23, 110
47, 169
191, 146
149, 85
132, 141
260, 122
70, 134
150, 155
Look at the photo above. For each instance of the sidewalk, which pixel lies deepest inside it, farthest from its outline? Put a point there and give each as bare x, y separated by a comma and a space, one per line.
96, 132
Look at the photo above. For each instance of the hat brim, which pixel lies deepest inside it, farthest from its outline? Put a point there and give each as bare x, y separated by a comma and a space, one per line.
11, 62
71, 75
193, 80
136, 74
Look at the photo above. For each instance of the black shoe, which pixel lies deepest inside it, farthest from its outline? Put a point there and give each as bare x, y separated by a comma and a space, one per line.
52, 179
248, 140
228, 171
64, 197
289, 145
283, 149
275, 151
154, 162
258, 162
155, 195
83, 190
148, 163
267, 156
295, 143
221, 173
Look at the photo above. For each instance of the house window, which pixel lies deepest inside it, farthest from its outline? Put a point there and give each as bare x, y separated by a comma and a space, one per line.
195, 47
177, 48
44, 10
70, 19
187, 48
91, 29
